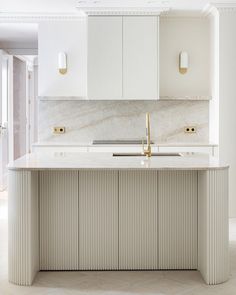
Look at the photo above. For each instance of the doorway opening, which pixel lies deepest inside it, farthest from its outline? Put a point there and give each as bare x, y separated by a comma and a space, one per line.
18, 92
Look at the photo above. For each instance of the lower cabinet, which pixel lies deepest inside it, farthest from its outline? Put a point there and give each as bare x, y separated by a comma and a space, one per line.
58, 220
109, 220
98, 219
138, 220
177, 222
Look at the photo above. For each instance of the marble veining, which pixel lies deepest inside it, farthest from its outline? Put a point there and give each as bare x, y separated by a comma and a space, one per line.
89, 120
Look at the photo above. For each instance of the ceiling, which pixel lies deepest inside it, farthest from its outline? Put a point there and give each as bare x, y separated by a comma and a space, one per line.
69, 6
18, 33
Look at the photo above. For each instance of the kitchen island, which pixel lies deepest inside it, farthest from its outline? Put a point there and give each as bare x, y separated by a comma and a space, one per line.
94, 211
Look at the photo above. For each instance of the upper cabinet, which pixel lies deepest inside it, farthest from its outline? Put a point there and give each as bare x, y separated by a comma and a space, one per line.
70, 37
123, 57
140, 57
105, 57
116, 57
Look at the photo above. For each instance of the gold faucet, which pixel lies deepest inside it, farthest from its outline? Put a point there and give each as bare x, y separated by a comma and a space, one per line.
148, 150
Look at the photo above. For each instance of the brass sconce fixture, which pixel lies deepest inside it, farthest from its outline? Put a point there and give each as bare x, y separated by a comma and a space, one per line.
62, 63
183, 62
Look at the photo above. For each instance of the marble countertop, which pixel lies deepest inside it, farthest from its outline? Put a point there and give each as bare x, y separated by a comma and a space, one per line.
64, 161
160, 144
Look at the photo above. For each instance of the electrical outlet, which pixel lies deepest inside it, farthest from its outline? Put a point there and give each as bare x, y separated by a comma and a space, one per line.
59, 130
190, 129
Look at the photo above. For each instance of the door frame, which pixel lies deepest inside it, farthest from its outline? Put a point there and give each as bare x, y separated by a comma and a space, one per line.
30, 99
10, 138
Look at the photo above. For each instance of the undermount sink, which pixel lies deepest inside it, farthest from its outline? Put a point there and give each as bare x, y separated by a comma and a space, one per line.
142, 155
121, 141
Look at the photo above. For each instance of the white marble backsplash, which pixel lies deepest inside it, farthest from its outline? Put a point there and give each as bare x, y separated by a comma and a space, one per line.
88, 120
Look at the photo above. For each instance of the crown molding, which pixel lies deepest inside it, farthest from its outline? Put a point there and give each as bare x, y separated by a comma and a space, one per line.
210, 10
26, 17
224, 5
117, 11
123, 7
219, 7
183, 14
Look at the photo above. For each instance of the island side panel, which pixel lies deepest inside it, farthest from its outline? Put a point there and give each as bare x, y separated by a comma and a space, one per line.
23, 253
98, 220
177, 191
213, 226
138, 220
59, 220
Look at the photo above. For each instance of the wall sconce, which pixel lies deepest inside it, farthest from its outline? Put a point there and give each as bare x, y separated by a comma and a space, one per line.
62, 63
183, 62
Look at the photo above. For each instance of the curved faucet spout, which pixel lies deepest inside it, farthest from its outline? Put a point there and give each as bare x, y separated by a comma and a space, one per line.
148, 150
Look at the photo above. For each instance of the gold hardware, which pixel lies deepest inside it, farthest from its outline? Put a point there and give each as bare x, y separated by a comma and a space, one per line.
148, 151
183, 62
190, 129
183, 71
63, 71
62, 63
59, 130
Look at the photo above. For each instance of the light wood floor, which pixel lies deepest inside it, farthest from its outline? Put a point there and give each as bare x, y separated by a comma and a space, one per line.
114, 283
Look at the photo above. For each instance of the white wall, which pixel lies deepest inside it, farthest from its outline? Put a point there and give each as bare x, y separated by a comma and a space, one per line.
214, 59
19, 107
69, 37
227, 97
35, 105
191, 34
3, 134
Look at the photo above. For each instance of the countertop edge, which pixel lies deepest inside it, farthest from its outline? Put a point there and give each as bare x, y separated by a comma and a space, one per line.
114, 168
57, 144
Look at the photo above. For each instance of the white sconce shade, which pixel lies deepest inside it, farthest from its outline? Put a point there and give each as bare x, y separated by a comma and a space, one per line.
183, 62
62, 63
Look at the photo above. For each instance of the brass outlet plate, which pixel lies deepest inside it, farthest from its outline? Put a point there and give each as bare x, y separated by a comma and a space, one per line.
59, 130
190, 129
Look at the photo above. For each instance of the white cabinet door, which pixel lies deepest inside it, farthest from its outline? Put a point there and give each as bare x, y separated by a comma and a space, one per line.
62, 36
104, 57
140, 57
